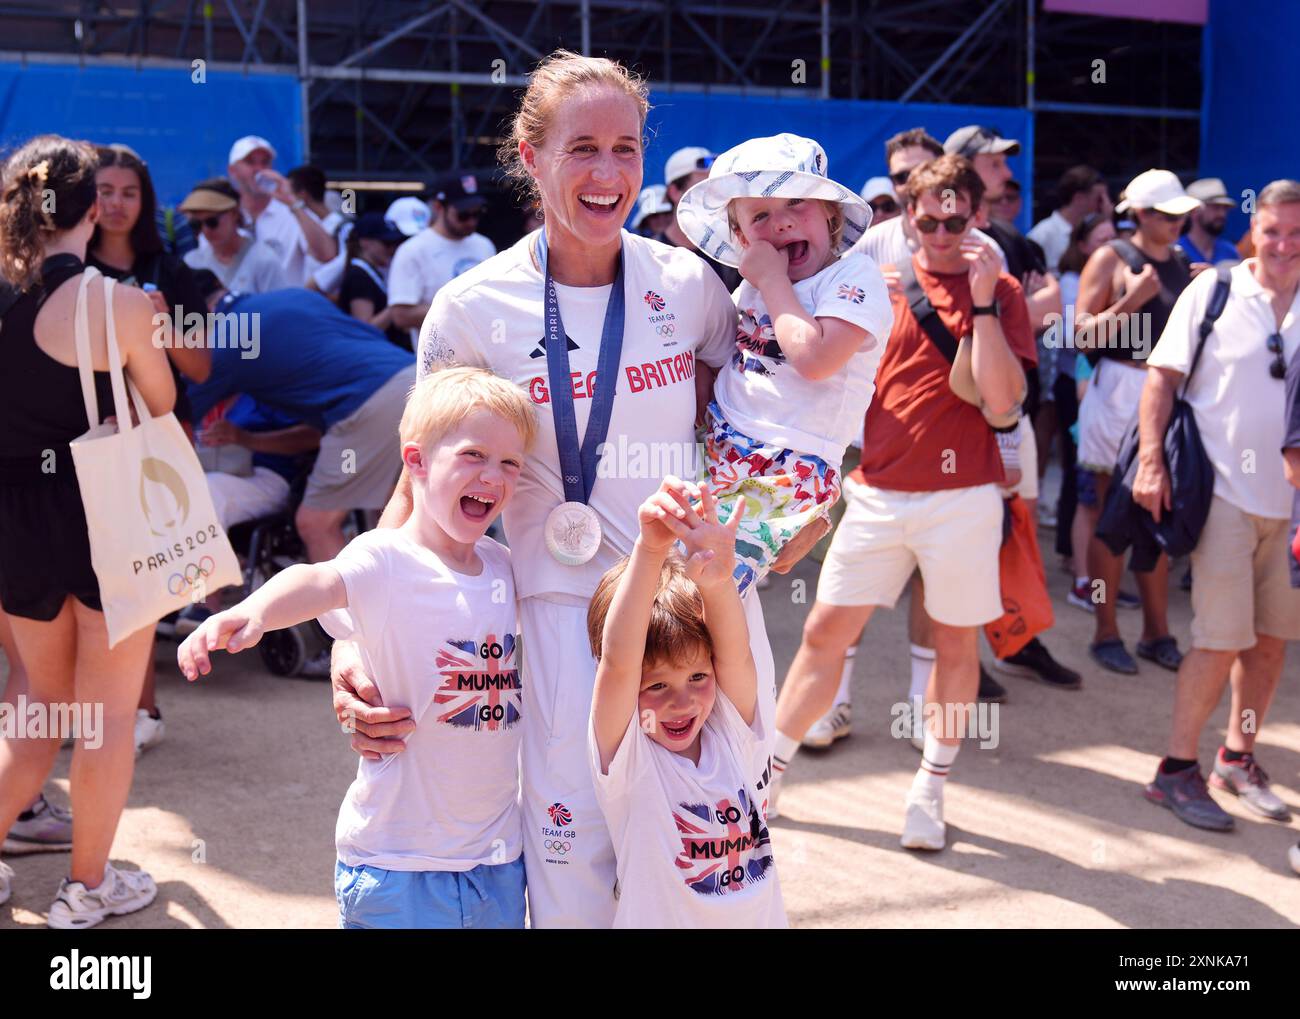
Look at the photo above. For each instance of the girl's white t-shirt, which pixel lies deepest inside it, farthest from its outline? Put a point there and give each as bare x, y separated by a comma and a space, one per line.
446, 645
692, 841
675, 310
762, 395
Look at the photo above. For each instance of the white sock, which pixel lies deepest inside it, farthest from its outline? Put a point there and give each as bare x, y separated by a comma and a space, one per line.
922, 663
844, 695
936, 760
783, 751
1082, 581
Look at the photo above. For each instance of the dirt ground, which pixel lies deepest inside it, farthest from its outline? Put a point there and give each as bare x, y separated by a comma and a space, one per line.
234, 813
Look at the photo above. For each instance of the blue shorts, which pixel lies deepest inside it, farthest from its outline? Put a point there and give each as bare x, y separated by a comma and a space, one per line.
489, 897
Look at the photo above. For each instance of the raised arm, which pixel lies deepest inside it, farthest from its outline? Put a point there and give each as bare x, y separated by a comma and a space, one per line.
303, 591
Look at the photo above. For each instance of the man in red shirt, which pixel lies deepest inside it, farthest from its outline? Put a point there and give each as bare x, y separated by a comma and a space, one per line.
926, 492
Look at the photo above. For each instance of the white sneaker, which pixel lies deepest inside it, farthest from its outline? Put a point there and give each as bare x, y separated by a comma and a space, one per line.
923, 828
1292, 854
833, 725
915, 728
121, 891
149, 731
7, 879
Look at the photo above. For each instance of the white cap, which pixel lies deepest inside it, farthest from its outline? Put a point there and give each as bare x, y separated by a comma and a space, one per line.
685, 162
1211, 191
245, 145
1160, 190
650, 202
409, 214
876, 187
782, 166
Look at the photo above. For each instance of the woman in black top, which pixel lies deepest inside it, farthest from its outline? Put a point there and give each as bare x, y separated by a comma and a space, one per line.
47, 584
363, 293
126, 245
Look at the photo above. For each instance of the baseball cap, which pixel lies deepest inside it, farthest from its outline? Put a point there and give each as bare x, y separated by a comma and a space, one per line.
459, 190
650, 202
685, 162
974, 139
410, 215
245, 145
877, 187
1160, 190
374, 226
1210, 191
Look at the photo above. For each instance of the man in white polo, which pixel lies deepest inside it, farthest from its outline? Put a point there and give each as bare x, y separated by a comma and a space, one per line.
1244, 608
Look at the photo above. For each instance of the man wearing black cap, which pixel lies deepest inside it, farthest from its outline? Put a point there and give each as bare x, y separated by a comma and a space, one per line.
433, 257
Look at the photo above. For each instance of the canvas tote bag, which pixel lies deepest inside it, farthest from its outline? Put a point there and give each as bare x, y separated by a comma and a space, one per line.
155, 543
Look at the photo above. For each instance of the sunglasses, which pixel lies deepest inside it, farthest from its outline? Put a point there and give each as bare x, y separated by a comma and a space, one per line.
210, 222
900, 178
1169, 217
953, 224
473, 213
885, 206
1278, 368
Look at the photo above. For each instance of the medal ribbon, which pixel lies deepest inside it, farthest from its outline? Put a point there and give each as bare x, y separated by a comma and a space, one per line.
578, 462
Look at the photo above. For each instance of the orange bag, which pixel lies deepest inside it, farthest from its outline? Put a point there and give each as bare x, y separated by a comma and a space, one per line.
1026, 605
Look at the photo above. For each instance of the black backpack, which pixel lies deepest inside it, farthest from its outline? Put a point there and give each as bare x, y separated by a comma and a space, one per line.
1191, 474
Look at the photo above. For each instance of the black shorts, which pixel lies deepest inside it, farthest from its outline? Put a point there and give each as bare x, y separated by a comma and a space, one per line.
44, 548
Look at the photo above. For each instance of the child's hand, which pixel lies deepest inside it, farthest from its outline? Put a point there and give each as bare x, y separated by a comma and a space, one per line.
235, 629
760, 263
662, 515
711, 546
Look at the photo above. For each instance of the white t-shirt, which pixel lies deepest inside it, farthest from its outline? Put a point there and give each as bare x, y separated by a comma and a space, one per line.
676, 310
329, 276
256, 269
692, 842
889, 243
311, 265
1240, 408
445, 645
762, 395
277, 226
1053, 236
427, 262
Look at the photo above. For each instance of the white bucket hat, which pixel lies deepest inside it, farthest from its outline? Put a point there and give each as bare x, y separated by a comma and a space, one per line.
1159, 190
782, 166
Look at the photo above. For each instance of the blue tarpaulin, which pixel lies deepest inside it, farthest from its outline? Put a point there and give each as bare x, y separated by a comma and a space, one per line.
182, 129
1249, 132
852, 132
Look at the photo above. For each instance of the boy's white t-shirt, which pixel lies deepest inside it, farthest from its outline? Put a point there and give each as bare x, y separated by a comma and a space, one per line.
675, 310
427, 262
692, 842
445, 645
762, 395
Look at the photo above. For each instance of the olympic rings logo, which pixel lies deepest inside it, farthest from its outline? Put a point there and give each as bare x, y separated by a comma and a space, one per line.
557, 846
186, 580
666, 329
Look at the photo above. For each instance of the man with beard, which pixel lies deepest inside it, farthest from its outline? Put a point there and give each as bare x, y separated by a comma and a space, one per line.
436, 256
1204, 241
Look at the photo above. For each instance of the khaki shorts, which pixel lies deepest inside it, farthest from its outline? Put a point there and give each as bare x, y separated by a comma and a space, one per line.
1241, 583
360, 458
953, 536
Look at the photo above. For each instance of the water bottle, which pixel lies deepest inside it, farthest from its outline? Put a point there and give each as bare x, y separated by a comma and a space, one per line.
265, 182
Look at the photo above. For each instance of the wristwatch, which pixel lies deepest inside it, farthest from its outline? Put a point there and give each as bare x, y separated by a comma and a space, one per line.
985, 309
299, 205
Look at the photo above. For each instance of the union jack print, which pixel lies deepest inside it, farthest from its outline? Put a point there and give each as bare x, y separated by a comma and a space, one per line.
850, 293
656, 302
480, 688
559, 814
725, 848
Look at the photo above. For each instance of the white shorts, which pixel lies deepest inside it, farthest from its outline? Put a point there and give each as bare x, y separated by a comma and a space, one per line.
239, 498
1108, 410
953, 536
568, 855
1028, 486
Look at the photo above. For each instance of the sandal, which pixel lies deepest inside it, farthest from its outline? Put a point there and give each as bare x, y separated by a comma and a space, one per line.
1163, 651
1112, 655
